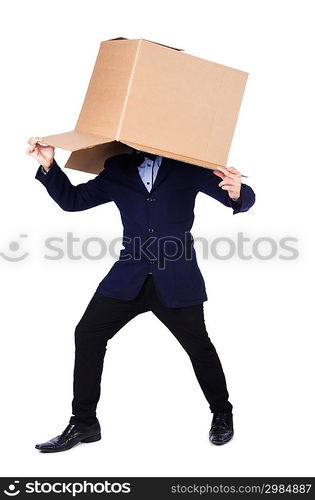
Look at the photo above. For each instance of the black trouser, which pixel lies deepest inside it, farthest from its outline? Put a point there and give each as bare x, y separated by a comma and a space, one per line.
105, 316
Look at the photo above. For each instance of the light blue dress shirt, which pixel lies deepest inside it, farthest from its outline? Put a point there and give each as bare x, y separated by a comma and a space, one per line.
148, 171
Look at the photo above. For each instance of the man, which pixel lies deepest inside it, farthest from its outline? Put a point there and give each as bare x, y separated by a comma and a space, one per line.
156, 271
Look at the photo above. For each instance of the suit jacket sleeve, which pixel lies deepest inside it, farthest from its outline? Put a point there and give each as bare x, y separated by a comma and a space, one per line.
208, 183
75, 198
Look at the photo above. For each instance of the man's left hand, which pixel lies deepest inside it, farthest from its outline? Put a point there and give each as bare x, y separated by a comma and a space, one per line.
231, 181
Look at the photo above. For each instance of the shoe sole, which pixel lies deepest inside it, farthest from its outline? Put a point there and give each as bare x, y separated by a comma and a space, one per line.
218, 443
90, 439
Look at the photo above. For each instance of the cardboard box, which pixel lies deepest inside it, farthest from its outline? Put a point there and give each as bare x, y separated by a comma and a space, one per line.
154, 98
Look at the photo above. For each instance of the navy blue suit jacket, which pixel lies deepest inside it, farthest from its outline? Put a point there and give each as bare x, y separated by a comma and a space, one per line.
156, 236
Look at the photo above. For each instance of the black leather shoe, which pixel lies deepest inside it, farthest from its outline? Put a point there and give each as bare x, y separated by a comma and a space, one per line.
221, 428
72, 435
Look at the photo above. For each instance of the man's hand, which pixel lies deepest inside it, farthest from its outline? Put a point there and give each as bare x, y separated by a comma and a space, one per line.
231, 181
43, 154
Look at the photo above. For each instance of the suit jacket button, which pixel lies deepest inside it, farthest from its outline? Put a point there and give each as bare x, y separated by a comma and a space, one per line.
151, 230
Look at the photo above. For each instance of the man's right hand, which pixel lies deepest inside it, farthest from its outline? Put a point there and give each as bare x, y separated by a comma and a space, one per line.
43, 154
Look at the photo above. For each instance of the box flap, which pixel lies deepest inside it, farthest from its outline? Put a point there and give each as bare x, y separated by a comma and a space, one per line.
92, 160
117, 38
162, 44
145, 39
74, 140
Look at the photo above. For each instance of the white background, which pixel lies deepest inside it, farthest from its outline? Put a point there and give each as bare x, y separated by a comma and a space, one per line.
260, 313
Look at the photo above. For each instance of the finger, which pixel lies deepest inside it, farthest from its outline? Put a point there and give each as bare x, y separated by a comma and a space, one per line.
34, 140
218, 173
31, 152
233, 176
229, 182
228, 188
234, 171
230, 172
229, 177
223, 169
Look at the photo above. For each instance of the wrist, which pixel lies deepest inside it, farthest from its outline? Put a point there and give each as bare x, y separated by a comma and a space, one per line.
47, 166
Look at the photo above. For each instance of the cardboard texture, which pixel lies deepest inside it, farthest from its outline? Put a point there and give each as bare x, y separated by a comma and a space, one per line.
157, 99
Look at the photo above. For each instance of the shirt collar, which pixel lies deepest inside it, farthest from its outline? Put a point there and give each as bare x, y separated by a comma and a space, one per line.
157, 161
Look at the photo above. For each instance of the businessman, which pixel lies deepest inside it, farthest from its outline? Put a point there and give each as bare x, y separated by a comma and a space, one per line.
156, 271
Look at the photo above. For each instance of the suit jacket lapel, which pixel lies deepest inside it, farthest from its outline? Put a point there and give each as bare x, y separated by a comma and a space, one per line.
133, 173
163, 172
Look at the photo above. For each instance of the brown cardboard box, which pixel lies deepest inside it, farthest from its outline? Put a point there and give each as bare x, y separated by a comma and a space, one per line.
158, 99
